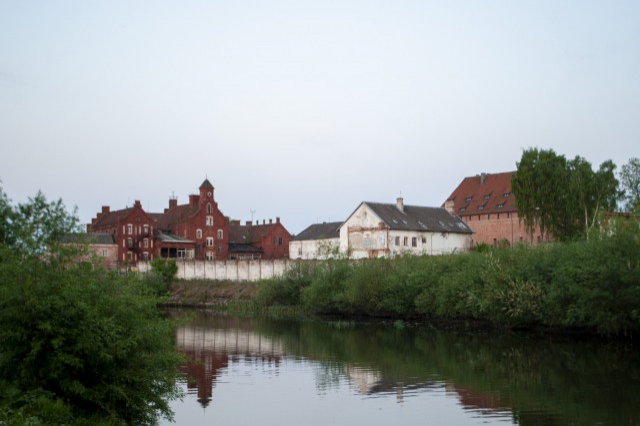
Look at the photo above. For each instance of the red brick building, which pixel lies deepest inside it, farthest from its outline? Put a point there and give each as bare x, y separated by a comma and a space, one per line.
259, 241
485, 202
197, 230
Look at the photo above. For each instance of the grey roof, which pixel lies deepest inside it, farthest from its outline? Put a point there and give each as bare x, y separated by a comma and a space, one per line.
319, 231
167, 237
243, 248
416, 218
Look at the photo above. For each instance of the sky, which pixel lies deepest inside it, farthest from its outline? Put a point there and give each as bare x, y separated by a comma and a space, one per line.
303, 109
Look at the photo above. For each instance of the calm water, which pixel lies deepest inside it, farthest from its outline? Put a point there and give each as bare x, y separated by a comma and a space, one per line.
270, 372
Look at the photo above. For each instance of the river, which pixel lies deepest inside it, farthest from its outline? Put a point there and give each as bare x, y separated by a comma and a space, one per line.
250, 371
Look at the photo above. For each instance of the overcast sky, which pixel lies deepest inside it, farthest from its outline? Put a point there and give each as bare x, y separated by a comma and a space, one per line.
303, 109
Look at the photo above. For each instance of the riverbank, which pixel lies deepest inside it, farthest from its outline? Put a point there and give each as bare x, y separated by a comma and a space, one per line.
210, 293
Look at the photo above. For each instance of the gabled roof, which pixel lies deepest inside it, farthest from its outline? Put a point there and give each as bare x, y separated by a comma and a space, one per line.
482, 194
319, 231
112, 218
177, 214
249, 234
416, 218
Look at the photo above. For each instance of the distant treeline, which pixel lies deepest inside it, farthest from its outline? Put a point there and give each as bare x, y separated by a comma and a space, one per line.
591, 286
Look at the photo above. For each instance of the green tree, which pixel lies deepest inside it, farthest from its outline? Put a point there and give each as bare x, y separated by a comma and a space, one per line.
5, 216
564, 198
77, 345
630, 182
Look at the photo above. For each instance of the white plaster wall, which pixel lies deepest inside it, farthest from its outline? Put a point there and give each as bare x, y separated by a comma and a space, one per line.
361, 233
310, 248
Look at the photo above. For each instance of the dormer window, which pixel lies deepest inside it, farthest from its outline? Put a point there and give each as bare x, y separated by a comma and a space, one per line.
506, 194
486, 197
480, 208
468, 199
463, 209
501, 205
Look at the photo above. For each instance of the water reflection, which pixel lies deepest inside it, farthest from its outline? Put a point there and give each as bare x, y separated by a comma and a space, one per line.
484, 378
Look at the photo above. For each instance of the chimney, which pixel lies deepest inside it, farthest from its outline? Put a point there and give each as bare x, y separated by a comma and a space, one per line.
450, 206
483, 177
264, 222
193, 200
270, 221
105, 210
277, 219
249, 223
173, 202
137, 203
400, 204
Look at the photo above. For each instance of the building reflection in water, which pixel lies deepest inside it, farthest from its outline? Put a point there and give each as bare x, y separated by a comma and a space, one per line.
208, 353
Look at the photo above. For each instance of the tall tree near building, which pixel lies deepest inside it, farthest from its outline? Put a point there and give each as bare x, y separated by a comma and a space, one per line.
564, 198
630, 182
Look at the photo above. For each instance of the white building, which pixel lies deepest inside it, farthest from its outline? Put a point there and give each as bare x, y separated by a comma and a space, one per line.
377, 230
318, 241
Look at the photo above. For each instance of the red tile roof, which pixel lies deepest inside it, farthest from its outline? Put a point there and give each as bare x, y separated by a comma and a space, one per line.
483, 194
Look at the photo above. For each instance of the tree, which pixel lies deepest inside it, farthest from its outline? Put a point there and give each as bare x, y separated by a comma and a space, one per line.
564, 198
77, 344
630, 182
5, 216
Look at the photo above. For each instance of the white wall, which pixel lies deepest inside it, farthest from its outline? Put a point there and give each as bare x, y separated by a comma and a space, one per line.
312, 249
361, 234
233, 270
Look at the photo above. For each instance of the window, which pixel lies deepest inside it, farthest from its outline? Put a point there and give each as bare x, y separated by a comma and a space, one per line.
397, 241
129, 229
145, 255
406, 241
129, 242
209, 241
279, 241
209, 220
486, 197
199, 233
501, 205
414, 242
300, 251
480, 208
506, 194
424, 240
146, 230
219, 250
462, 209
209, 255
275, 241
129, 256
146, 242
209, 209
468, 199
220, 234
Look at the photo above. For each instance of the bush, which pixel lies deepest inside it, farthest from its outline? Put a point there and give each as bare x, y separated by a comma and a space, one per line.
82, 344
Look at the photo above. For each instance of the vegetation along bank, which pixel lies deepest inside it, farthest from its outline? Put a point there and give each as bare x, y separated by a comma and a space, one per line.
592, 286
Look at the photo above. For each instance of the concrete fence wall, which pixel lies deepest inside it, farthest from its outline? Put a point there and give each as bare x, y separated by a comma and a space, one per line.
233, 270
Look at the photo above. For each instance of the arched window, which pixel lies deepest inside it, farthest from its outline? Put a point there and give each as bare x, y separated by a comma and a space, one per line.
209, 209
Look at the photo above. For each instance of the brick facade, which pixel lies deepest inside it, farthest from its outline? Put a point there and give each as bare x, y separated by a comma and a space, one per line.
197, 230
485, 202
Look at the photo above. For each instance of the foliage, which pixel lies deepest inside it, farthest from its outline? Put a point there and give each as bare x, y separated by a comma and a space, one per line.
36, 228
78, 345
166, 268
630, 182
91, 340
593, 285
564, 198
286, 290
